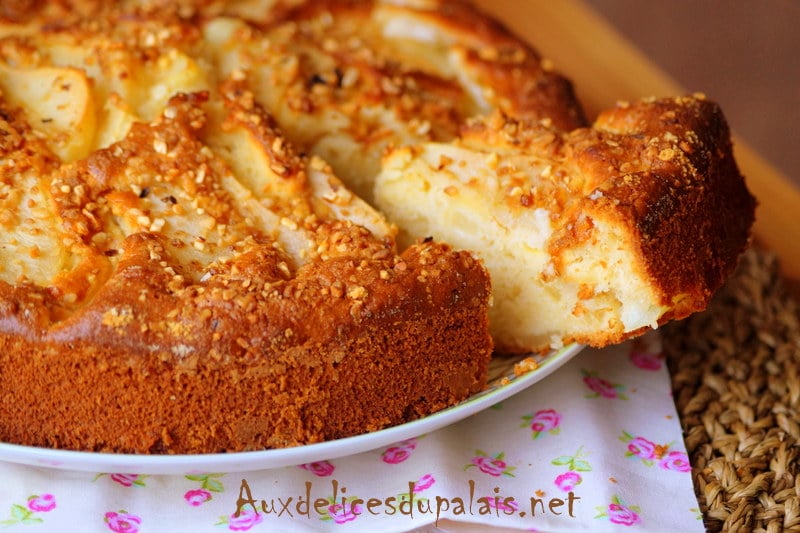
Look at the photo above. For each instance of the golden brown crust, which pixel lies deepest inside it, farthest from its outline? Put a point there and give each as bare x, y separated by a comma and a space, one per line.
673, 176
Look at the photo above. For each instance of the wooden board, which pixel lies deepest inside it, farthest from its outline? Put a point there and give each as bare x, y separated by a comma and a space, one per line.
606, 68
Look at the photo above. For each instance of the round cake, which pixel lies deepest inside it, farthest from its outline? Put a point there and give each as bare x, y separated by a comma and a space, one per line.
190, 257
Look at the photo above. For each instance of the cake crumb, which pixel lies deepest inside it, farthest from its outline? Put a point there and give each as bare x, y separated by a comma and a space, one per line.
528, 364
118, 317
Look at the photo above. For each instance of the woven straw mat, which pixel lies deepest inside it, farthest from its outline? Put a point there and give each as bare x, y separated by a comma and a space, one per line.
736, 381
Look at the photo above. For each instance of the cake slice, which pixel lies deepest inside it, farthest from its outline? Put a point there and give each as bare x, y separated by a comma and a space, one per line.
590, 236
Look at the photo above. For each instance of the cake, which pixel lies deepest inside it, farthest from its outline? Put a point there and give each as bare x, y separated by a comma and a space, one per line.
192, 258
178, 278
590, 236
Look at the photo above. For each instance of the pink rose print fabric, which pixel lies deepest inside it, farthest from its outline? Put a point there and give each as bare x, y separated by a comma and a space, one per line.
677, 461
320, 468
575, 464
651, 453
42, 504
399, 452
639, 447
543, 422
424, 483
494, 465
421, 485
209, 484
125, 480
197, 497
568, 480
31, 512
617, 512
646, 360
602, 388
644, 356
244, 521
122, 522
501, 504
128, 480
342, 512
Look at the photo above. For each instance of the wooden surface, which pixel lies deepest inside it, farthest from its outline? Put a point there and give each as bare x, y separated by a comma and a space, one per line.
743, 54
606, 68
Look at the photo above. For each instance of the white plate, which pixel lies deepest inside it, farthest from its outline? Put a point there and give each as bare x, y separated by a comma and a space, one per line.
504, 383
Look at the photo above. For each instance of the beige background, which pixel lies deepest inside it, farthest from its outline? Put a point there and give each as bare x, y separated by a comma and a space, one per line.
745, 54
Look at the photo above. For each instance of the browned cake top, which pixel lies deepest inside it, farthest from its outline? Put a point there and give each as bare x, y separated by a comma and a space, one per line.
148, 194
343, 79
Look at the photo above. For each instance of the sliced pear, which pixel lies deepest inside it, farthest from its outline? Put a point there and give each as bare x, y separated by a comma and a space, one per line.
58, 102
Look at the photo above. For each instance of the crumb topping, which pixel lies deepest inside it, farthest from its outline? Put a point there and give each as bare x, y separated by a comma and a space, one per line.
168, 166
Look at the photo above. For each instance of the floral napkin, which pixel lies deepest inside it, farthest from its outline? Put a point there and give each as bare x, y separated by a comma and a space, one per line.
595, 446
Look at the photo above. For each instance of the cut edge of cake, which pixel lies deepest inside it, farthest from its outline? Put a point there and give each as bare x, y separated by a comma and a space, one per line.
591, 236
